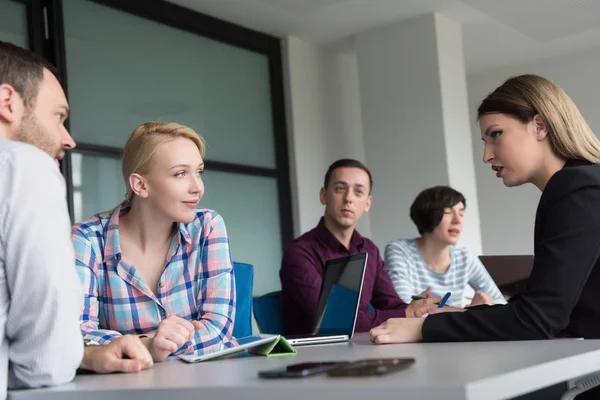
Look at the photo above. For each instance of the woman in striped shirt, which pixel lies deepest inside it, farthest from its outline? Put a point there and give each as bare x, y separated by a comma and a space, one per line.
157, 266
432, 264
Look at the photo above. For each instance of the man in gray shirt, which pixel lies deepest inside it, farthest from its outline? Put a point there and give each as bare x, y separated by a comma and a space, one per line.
40, 293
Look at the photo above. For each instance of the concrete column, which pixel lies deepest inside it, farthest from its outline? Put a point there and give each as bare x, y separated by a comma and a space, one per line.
415, 118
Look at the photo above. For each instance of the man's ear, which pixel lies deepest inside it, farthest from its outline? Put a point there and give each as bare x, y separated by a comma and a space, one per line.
12, 107
139, 185
323, 196
540, 127
368, 205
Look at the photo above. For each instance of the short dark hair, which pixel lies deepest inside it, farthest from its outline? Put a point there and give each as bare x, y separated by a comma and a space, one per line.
347, 163
23, 70
428, 208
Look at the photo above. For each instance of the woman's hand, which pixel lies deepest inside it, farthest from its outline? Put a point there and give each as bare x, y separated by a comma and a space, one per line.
173, 332
482, 298
424, 303
398, 330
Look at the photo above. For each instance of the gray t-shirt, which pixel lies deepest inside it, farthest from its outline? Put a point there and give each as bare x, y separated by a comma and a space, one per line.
40, 294
411, 276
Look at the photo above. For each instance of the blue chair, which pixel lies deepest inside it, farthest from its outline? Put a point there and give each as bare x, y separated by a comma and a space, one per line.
268, 311
244, 282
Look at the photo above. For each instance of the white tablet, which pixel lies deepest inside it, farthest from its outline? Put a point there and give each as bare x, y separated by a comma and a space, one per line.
234, 346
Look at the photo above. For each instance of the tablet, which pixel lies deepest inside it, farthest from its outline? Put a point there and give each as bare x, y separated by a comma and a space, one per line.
234, 346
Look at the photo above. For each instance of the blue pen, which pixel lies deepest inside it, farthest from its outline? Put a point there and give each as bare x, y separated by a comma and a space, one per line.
444, 300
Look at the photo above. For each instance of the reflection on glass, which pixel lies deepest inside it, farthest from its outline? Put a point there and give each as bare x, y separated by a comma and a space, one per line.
250, 209
13, 23
340, 295
139, 75
78, 205
97, 184
227, 345
76, 159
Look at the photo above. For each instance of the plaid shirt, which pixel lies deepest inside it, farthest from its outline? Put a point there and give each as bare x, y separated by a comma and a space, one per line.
197, 282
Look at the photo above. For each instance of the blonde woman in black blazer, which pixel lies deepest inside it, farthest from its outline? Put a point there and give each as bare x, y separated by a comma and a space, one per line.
534, 133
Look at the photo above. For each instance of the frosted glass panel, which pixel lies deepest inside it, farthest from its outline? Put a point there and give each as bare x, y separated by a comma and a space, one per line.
97, 184
13, 23
124, 70
249, 206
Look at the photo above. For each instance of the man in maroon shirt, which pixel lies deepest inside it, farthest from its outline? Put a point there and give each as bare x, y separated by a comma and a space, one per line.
346, 195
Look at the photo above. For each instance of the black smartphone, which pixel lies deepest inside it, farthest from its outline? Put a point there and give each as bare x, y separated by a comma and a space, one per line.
300, 370
371, 367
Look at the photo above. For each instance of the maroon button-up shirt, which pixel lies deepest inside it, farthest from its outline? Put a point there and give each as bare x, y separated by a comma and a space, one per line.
302, 271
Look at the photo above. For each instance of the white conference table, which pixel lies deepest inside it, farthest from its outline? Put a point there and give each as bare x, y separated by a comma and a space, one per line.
482, 370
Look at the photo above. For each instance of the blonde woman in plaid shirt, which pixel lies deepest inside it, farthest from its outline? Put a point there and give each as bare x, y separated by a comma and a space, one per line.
157, 266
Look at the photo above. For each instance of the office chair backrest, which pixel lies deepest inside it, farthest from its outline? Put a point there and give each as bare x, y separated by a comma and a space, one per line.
244, 282
268, 312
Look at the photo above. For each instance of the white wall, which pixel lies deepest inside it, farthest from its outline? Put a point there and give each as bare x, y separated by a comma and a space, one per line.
402, 121
508, 214
457, 132
413, 94
323, 123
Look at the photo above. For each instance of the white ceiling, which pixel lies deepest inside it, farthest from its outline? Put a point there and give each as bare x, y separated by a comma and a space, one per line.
496, 32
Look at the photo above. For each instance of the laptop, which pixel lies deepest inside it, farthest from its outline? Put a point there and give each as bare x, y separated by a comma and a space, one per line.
339, 300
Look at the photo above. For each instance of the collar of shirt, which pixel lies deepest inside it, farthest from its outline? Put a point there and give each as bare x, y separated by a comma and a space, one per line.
112, 241
356, 242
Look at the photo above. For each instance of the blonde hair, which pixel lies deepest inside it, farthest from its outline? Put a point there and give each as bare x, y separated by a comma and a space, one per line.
525, 96
145, 141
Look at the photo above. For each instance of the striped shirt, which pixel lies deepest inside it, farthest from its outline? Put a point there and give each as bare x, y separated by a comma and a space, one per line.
412, 276
197, 282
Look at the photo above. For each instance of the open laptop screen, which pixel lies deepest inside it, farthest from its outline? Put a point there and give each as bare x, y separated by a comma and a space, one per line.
340, 295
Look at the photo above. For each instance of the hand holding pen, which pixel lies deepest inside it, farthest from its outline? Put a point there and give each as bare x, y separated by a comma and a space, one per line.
440, 308
424, 295
444, 300
422, 302
423, 306
441, 304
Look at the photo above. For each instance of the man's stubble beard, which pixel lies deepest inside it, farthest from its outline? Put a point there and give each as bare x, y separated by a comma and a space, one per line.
30, 131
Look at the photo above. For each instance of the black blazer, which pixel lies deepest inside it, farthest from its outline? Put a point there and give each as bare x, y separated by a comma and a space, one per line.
563, 292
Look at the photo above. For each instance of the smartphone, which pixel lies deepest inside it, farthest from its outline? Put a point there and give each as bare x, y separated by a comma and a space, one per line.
300, 370
372, 367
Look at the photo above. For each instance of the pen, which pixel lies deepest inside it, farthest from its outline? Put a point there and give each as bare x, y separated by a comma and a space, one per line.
444, 300
418, 297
